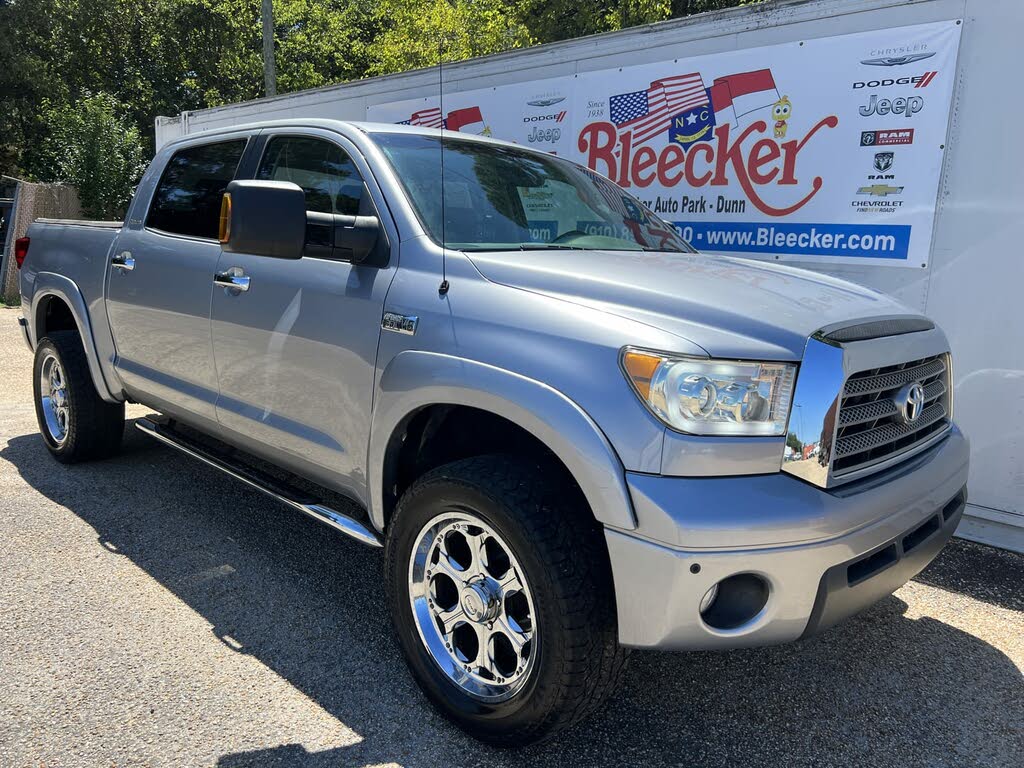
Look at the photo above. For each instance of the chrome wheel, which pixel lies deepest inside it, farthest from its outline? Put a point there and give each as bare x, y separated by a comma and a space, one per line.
472, 605
53, 392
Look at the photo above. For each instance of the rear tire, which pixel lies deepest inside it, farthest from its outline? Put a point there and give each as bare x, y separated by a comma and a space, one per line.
76, 423
572, 660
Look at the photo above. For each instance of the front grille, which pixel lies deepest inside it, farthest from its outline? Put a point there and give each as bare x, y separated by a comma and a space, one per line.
870, 432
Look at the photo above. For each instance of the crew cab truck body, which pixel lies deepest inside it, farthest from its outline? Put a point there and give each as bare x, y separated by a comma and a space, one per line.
568, 443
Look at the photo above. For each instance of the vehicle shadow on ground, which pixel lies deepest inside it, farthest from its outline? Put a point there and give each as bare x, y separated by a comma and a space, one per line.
990, 575
880, 689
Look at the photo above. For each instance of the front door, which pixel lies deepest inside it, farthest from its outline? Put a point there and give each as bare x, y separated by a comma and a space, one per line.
161, 281
296, 352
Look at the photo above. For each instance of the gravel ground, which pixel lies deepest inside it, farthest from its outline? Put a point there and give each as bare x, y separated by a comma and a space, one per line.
154, 612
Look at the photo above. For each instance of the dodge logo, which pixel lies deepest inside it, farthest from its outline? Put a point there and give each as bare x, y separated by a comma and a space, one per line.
910, 403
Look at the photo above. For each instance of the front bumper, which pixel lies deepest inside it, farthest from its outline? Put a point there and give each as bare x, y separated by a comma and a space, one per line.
820, 555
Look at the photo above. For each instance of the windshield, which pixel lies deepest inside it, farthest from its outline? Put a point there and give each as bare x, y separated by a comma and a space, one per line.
503, 198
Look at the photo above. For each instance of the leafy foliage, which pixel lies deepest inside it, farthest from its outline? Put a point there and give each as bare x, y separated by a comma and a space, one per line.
414, 33
794, 442
131, 60
93, 145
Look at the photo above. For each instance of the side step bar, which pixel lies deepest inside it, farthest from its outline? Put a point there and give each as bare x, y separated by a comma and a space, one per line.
347, 525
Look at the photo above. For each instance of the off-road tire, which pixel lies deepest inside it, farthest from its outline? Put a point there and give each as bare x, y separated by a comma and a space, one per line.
560, 546
95, 427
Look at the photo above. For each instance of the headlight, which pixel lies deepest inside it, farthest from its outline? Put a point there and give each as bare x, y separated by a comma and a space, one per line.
713, 397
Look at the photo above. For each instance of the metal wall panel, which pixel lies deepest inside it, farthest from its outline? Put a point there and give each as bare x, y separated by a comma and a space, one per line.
972, 285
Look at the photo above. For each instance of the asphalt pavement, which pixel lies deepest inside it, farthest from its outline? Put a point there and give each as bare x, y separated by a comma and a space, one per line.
154, 612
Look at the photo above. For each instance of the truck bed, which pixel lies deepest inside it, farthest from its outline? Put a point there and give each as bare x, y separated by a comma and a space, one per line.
71, 258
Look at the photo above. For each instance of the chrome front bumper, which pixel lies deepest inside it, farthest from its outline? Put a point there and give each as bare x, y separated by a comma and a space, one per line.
823, 555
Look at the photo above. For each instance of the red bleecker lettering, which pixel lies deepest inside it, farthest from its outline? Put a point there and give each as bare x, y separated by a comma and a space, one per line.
644, 158
791, 148
626, 147
709, 155
669, 159
733, 154
764, 162
597, 142
763, 152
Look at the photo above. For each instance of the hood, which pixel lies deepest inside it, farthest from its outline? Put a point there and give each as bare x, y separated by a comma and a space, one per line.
731, 307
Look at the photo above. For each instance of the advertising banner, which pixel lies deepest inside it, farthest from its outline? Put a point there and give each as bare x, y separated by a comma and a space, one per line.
826, 150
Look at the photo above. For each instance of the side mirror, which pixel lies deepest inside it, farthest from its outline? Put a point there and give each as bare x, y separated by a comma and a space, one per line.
356, 239
265, 218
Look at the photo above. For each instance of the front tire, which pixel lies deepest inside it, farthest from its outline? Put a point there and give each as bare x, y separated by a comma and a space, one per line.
76, 423
501, 596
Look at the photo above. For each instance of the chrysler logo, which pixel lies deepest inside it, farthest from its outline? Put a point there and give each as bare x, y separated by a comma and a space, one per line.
910, 403
897, 61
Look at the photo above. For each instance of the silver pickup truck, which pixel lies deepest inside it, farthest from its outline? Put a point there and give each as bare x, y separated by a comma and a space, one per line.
570, 433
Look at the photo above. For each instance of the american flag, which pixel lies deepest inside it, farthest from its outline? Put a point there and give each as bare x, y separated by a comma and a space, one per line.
633, 218
649, 113
428, 118
610, 193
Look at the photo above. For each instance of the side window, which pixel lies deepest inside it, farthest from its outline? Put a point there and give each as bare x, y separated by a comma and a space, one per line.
323, 170
187, 199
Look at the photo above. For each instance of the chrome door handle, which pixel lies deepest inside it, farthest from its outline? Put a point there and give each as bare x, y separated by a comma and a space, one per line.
124, 261
233, 280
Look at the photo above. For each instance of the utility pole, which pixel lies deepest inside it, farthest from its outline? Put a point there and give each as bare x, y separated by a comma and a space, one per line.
269, 69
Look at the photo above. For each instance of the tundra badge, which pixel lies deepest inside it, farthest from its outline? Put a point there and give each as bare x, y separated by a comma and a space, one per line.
399, 323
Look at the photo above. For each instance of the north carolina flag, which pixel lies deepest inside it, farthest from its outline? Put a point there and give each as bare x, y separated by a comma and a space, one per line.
468, 120
648, 113
740, 99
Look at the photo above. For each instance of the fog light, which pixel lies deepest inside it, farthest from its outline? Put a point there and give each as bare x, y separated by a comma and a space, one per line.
709, 598
735, 601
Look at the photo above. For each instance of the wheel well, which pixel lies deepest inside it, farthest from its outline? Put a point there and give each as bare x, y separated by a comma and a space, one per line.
440, 434
54, 315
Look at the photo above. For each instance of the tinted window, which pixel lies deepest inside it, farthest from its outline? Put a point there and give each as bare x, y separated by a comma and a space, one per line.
187, 200
498, 197
326, 174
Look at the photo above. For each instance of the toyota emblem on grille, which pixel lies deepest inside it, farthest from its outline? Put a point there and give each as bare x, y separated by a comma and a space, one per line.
910, 403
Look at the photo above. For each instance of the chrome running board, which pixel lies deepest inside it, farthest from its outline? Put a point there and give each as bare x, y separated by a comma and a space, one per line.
347, 525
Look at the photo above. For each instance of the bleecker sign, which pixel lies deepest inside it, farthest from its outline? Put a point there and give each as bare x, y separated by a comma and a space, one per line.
761, 152
747, 157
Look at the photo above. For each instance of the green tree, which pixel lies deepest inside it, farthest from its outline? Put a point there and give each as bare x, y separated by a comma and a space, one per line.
93, 145
550, 20
323, 42
415, 32
794, 442
168, 56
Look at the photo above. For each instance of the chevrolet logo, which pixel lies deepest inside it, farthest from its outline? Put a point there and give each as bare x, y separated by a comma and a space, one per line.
879, 190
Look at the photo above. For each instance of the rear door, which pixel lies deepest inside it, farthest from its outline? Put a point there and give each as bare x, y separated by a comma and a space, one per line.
161, 281
295, 353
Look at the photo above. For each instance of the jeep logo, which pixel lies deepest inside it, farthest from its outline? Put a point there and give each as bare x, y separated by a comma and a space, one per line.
541, 135
902, 106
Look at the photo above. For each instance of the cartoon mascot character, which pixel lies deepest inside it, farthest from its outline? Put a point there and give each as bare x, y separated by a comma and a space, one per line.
781, 111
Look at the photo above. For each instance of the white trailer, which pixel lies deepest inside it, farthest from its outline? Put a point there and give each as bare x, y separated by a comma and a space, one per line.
960, 203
